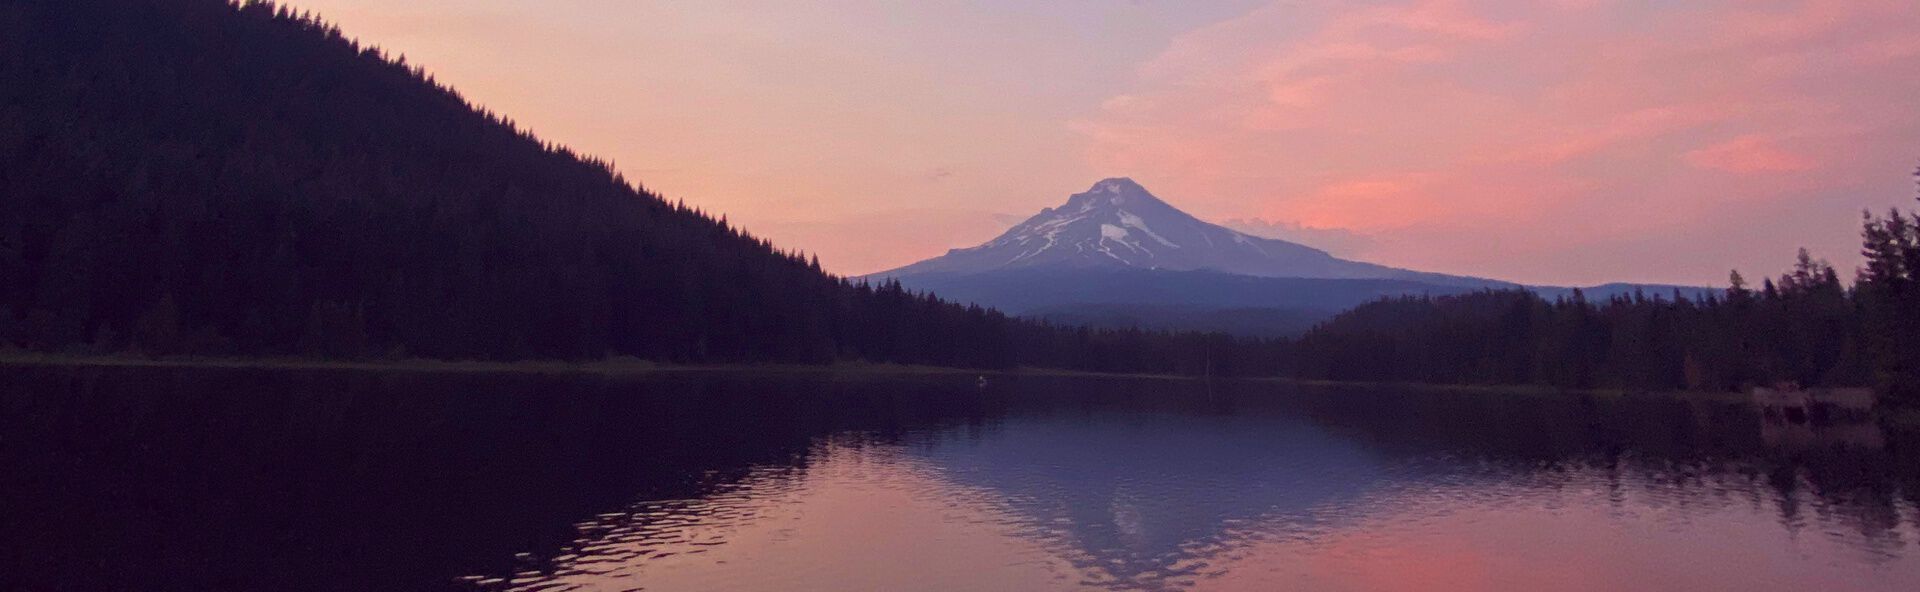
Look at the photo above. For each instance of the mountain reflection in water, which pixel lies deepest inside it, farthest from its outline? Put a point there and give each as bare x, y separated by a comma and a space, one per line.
229, 479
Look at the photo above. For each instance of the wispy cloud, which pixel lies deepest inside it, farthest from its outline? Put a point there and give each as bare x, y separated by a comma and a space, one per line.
1522, 138
1750, 154
1338, 241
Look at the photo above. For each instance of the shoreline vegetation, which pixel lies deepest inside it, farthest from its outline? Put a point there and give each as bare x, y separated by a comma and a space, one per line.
626, 366
613, 366
617, 367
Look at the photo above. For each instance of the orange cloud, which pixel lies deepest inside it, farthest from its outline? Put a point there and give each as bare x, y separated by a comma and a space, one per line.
1364, 205
1444, 18
1749, 154
1536, 141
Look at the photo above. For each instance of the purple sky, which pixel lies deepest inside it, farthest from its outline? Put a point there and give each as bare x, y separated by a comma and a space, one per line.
1551, 141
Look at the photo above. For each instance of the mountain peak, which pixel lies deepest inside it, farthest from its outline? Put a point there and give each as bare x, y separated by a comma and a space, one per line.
1109, 193
1116, 185
1116, 223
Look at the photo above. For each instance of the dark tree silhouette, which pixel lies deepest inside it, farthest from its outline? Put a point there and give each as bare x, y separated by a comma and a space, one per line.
1805, 328
1888, 292
207, 177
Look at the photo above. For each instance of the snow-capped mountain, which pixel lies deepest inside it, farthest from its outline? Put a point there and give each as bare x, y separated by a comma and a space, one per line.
1118, 224
1117, 256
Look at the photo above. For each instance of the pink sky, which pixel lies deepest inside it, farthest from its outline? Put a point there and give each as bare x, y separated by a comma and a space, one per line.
1562, 141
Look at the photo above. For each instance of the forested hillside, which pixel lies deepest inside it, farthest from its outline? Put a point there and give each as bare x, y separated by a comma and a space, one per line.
200, 176
1807, 328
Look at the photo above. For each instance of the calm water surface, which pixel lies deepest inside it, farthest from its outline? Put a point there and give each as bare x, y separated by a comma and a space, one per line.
190, 479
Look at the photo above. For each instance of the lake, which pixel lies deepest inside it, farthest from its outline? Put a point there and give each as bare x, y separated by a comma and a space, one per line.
212, 479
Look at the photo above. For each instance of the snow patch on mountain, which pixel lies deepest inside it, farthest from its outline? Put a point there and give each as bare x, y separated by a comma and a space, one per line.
1135, 222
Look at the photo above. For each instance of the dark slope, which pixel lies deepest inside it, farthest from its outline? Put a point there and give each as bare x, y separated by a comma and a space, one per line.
1270, 323
278, 187
196, 176
1804, 332
1021, 291
1207, 300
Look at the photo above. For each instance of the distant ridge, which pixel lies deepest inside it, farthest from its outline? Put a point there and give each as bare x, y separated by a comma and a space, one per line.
1117, 255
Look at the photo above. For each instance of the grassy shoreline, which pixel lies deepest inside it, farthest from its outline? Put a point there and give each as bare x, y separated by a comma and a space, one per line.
1510, 389
634, 367
605, 367
622, 366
